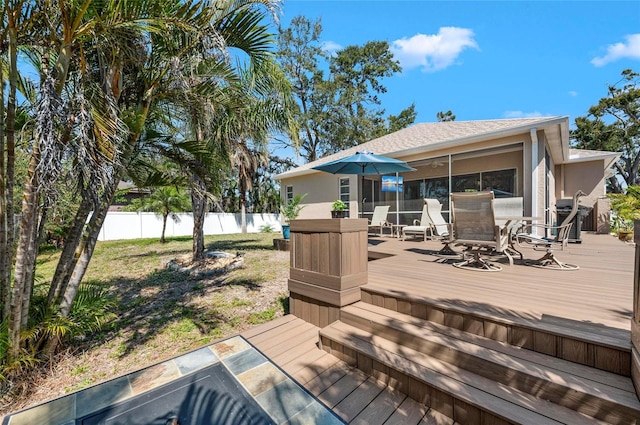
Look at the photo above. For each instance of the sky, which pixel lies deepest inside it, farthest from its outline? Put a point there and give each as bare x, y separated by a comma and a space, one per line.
488, 59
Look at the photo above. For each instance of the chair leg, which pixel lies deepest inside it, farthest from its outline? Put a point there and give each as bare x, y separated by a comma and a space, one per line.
509, 256
477, 263
549, 261
447, 252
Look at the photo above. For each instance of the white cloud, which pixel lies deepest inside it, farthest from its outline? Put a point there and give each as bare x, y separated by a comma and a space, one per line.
522, 114
573, 93
330, 46
433, 52
630, 50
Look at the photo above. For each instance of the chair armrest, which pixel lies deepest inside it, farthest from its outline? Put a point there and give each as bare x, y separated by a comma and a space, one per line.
416, 222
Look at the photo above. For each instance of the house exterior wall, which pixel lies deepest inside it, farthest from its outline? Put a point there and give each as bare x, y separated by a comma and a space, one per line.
532, 173
322, 190
586, 176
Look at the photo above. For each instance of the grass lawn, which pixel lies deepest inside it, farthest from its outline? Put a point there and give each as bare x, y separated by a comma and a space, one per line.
160, 313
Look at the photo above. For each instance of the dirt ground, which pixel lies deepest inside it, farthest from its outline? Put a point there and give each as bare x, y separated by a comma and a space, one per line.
160, 317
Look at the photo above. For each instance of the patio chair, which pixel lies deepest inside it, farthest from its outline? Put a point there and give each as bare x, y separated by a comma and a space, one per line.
511, 208
441, 229
559, 240
440, 225
379, 219
420, 227
508, 211
474, 226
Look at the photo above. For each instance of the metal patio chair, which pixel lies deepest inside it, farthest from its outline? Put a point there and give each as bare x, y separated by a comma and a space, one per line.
558, 240
475, 228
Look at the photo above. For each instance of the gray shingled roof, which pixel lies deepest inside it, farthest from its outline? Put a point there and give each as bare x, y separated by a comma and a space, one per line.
433, 135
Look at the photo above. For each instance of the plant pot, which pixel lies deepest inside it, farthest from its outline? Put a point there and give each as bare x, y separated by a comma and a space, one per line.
624, 235
340, 214
286, 231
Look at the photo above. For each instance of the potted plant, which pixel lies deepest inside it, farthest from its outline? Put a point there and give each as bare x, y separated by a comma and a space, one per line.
626, 207
290, 211
339, 209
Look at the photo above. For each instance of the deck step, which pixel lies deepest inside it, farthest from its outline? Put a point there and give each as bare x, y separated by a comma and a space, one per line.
600, 347
459, 394
564, 385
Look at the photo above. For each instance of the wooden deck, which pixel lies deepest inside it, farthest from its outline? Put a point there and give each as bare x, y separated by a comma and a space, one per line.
600, 292
597, 299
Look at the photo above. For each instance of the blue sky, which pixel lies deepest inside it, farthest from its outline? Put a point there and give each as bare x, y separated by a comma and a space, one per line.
489, 59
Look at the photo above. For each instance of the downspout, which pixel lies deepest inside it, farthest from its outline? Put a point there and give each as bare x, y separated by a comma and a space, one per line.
450, 188
535, 163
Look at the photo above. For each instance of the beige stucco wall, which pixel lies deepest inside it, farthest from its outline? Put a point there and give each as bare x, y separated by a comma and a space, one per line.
585, 176
471, 147
322, 190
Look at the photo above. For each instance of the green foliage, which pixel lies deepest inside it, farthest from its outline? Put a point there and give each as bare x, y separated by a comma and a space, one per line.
343, 107
339, 205
163, 200
614, 125
445, 116
266, 228
626, 207
92, 310
58, 220
291, 209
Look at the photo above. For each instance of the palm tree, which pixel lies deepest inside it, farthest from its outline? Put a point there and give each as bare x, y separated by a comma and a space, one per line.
227, 106
90, 42
165, 201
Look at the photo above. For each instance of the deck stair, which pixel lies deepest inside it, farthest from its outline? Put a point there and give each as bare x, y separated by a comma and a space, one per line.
473, 379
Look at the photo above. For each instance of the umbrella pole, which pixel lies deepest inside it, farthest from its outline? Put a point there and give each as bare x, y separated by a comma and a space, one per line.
397, 199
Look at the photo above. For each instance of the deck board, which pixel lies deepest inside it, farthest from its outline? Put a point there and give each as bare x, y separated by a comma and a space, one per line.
341, 388
357, 401
381, 408
599, 293
410, 412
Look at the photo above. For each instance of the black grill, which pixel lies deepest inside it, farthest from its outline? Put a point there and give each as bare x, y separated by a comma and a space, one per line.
563, 210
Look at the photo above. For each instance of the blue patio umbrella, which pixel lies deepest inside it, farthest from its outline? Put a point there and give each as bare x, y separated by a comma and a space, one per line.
368, 163
364, 163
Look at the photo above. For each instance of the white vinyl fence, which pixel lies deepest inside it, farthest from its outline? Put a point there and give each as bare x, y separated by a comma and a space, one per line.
137, 225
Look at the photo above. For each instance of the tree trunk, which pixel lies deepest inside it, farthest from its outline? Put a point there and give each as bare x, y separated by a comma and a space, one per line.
242, 188
69, 256
27, 229
243, 215
5, 287
199, 207
8, 174
164, 227
29, 273
87, 246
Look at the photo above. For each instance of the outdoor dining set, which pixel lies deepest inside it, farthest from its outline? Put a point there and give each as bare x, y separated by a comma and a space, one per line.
483, 228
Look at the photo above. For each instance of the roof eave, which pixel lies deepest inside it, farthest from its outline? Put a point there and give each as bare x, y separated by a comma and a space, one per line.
480, 137
524, 128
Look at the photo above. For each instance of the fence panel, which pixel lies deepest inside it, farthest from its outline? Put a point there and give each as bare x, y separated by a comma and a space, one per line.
135, 225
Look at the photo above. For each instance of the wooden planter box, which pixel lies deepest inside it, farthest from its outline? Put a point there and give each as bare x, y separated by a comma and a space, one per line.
340, 214
328, 266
